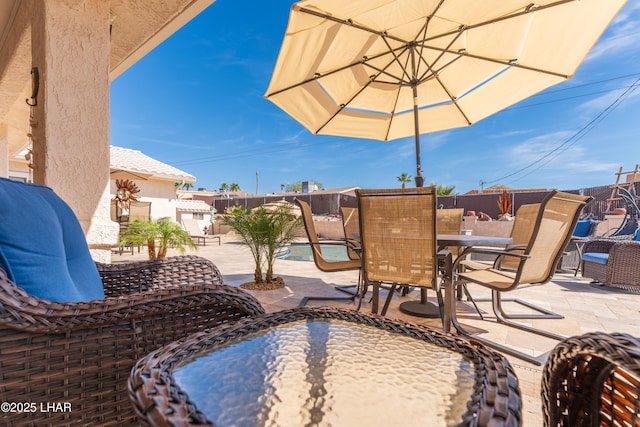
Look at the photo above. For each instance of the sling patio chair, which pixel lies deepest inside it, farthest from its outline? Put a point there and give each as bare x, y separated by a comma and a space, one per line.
398, 238
326, 265
72, 329
536, 264
351, 227
523, 226
195, 232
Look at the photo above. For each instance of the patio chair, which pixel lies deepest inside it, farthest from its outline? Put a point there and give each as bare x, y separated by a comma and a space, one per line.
351, 227
593, 380
613, 262
137, 211
195, 232
323, 264
536, 263
72, 329
398, 238
585, 230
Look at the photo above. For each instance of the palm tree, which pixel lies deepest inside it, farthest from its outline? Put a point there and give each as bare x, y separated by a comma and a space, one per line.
224, 187
445, 190
264, 233
164, 230
404, 178
234, 187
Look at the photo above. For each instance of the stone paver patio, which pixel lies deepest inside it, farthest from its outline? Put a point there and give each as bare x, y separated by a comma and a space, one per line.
586, 307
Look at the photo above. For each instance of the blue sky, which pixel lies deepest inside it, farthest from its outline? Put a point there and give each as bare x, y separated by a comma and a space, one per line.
197, 103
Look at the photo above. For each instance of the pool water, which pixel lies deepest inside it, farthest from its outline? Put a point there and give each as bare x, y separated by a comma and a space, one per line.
302, 252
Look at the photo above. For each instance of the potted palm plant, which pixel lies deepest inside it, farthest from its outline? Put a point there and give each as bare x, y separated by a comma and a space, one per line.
158, 235
264, 233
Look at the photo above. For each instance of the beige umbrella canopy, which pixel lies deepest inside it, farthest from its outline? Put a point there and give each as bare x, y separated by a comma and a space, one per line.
388, 69
289, 207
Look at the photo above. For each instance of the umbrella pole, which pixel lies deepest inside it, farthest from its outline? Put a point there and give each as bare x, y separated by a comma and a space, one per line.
419, 178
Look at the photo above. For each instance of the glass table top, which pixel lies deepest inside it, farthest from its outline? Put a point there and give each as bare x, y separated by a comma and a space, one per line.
328, 372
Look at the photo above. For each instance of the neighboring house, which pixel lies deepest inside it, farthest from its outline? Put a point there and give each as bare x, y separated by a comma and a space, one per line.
62, 56
156, 180
194, 209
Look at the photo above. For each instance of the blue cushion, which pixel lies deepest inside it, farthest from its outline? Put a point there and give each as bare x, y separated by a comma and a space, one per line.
596, 257
42, 246
583, 228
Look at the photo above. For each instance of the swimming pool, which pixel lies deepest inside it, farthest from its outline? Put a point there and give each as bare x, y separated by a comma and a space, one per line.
302, 252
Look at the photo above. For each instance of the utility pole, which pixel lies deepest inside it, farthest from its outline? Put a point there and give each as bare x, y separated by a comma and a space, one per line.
256, 183
482, 183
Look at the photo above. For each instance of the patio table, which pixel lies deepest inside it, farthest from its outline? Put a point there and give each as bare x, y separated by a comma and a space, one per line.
424, 308
324, 366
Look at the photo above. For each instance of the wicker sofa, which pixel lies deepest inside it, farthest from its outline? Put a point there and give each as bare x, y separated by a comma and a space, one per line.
613, 262
68, 363
593, 380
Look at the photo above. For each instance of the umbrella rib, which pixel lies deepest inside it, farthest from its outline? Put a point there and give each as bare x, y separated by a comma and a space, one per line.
348, 22
512, 63
395, 57
527, 10
337, 70
424, 29
343, 106
430, 66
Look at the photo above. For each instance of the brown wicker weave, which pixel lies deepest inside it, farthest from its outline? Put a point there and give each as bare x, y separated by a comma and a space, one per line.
159, 401
622, 270
593, 380
82, 353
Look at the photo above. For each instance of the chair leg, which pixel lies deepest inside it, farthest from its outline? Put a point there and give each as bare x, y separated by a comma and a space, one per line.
539, 360
392, 289
346, 289
497, 300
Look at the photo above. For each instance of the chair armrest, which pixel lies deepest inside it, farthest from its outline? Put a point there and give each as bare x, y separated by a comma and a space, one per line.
623, 265
598, 245
21, 311
140, 276
82, 353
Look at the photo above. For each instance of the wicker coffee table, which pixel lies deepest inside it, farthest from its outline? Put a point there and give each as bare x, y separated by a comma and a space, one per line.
324, 366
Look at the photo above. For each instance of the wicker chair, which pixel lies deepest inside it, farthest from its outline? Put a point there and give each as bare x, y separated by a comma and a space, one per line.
593, 380
612, 262
82, 353
71, 329
536, 263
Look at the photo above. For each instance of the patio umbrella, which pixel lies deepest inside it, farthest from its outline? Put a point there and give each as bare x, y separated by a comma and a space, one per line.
271, 207
388, 69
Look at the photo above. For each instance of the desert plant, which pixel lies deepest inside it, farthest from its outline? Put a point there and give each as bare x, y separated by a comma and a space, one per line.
504, 202
162, 230
444, 190
264, 233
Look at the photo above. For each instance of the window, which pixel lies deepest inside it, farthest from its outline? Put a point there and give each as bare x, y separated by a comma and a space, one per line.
198, 215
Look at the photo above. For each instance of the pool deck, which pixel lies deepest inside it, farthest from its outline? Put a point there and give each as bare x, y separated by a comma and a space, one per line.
586, 307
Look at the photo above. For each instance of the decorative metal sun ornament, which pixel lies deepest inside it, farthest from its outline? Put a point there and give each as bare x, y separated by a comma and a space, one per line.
126, 192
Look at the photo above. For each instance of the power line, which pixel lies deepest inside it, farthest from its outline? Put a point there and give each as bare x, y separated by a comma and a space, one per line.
285, 146
575, 137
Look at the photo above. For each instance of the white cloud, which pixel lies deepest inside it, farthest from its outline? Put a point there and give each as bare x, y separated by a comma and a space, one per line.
622, 33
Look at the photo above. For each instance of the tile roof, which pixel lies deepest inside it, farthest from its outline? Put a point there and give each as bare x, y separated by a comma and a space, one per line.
128, 160
186, 205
